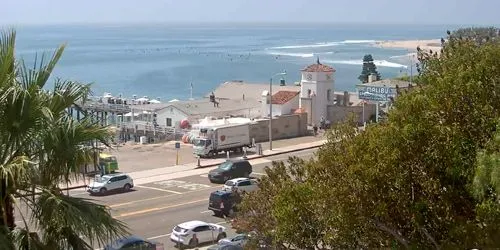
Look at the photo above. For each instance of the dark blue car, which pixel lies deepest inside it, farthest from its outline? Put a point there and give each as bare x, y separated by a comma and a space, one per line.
132, 243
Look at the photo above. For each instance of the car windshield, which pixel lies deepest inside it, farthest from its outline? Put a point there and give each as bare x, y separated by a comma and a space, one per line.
180, 229
200, 142
102, 179
229, 183
226, 165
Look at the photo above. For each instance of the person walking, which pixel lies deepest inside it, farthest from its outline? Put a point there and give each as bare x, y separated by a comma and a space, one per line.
315, 129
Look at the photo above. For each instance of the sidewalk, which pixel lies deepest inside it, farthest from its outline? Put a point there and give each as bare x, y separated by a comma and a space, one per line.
184, 170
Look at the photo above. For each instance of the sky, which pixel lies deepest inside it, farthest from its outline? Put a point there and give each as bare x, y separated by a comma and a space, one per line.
479, 12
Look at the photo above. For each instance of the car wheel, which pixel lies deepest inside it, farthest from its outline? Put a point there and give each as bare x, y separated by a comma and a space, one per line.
193, 242
102, 191
221, 236
127, 187
219, 214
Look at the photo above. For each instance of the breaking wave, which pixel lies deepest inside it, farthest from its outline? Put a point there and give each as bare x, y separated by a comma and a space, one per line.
378, 63
303, 55
316, 45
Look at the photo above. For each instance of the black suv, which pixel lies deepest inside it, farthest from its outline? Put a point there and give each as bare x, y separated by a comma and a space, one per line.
223, 202
230, 169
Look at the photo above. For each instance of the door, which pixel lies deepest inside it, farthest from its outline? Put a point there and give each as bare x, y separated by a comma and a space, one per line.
245, 186
203, 233
112, 183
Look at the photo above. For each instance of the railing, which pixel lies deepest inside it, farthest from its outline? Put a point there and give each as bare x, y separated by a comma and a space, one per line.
93, 105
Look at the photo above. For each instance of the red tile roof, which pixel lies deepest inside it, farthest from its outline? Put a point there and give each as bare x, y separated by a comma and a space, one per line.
283, 96
318, 68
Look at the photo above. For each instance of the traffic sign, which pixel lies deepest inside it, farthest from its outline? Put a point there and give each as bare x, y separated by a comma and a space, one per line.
177, 145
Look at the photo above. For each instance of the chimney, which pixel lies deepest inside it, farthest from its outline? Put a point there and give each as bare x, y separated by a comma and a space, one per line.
370, 78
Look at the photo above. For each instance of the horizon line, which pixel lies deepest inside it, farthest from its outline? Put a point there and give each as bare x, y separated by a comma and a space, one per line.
236, 23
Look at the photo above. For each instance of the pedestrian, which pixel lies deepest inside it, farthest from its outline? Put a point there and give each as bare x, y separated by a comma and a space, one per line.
315, 129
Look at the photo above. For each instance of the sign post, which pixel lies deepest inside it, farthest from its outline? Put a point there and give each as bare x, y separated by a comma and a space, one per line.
177, 147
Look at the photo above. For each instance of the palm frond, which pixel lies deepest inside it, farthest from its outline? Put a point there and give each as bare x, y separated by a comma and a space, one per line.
38, 76
61, 216
6, 239
7, 58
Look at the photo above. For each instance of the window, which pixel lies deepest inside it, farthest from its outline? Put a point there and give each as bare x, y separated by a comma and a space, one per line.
308, 93
245, 183
171, 110
328, 94
201, 229
169, 122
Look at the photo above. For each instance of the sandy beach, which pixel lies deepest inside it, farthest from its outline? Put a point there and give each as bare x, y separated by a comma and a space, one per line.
411, 45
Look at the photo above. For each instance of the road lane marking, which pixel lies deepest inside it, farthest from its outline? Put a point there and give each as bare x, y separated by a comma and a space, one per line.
157, 197
144, 211
159, 189
204, 175
167, 235
159, 236
204, 212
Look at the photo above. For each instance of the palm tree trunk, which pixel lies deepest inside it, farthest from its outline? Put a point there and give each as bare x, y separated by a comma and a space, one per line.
7, 207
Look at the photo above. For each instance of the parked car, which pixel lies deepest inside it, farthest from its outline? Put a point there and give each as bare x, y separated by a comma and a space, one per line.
230, 169
194, 232
133, 243
241, 184
106, 183
223, 202
225, 247
238, 240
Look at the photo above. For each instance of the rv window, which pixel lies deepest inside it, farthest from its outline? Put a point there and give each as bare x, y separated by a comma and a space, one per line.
209, 142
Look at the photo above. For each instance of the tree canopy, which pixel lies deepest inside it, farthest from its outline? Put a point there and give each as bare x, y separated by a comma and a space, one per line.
369, 68
41, 147
427, 177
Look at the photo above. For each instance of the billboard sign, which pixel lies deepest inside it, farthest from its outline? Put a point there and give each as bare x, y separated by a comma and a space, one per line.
375, 93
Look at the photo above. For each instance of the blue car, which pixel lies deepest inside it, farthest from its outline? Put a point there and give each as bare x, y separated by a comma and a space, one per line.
132, 243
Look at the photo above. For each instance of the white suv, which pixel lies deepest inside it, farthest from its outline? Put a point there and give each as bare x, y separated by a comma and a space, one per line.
241, 184
194, 232
106, 183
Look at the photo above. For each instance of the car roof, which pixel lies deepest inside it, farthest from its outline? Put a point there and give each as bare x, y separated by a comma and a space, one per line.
115, 174
192, 224
240, 179
123, 241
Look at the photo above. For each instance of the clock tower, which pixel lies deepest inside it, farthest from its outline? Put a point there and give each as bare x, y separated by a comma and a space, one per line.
316, 91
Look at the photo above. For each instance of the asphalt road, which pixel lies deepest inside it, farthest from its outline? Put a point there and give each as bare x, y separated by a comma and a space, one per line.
151, 210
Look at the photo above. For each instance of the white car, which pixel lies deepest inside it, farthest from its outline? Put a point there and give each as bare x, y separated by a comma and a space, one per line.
241, 184
106, 183
194, 232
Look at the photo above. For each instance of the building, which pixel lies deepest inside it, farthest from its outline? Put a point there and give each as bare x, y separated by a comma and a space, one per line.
284, 102
173, 113
246, 90
316, 91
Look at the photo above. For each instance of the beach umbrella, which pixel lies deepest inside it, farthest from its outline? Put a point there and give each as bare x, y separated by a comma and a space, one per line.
154, 101
173, 100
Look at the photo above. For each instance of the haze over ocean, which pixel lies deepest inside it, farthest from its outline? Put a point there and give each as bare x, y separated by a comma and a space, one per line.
161, 60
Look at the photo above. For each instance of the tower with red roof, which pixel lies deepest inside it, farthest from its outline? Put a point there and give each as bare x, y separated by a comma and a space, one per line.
317, 91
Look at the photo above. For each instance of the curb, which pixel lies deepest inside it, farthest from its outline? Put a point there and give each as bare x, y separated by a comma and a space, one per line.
263, 156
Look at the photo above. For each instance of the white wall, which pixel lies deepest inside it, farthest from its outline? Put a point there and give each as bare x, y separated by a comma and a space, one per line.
170, 112
282, 109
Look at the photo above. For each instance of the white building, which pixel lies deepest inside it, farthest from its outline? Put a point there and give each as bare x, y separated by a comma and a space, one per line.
317, 91
284, 102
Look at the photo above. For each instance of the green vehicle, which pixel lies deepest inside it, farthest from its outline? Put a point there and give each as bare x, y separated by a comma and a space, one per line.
108, 163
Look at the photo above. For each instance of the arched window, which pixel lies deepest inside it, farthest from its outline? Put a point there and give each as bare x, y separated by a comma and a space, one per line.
328, 94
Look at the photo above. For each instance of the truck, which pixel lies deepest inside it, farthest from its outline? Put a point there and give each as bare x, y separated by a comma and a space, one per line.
229, 137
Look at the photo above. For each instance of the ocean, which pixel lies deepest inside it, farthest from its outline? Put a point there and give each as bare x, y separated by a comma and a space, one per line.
162, 60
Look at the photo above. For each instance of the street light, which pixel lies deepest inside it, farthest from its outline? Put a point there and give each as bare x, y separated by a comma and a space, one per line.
271, 108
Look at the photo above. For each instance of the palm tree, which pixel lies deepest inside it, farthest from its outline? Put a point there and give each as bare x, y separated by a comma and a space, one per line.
42, 146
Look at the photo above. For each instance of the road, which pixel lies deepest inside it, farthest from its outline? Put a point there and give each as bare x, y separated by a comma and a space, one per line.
151, 210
